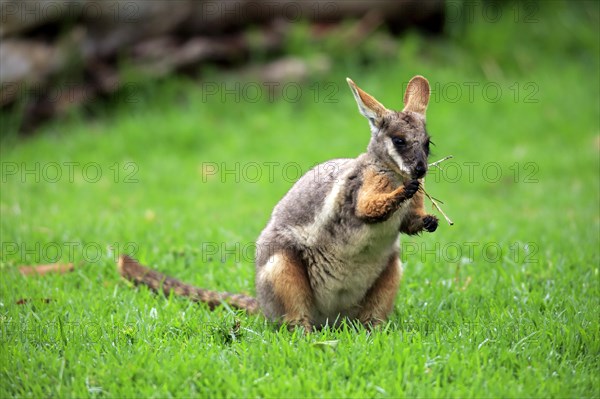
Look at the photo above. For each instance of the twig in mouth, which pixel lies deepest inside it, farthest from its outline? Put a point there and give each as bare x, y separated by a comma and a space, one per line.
436, 163
436, 206
434, 201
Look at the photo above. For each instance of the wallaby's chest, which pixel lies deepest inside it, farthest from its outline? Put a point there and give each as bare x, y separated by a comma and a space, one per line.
341, 269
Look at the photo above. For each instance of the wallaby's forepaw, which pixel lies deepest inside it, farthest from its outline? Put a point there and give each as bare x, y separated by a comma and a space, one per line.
430, 223
410, 188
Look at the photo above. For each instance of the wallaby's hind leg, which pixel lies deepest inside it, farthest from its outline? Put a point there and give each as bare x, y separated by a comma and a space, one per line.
284, 291
379, 301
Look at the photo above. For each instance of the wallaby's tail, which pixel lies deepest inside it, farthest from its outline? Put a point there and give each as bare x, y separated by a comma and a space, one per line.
156, 281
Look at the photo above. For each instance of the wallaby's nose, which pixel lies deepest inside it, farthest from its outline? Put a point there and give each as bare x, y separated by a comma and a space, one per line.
420, 170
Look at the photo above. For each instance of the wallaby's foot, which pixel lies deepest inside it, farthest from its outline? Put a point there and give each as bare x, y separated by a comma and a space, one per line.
430, 223
302, 323
371, 324
410, 188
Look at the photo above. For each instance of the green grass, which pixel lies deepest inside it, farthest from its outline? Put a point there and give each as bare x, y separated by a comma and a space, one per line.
503, 304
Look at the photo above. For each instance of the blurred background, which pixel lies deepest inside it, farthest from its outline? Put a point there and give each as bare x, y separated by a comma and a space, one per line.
57, 56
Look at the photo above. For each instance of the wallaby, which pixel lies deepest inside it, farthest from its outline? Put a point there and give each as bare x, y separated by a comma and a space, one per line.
330, 250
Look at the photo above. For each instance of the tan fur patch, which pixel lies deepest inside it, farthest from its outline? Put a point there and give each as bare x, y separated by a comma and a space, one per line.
379, 301
377, 197
291, 286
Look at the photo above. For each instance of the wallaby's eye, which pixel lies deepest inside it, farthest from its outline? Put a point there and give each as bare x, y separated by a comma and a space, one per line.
398, 142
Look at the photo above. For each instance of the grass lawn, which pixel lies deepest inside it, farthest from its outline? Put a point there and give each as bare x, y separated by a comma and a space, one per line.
505, 303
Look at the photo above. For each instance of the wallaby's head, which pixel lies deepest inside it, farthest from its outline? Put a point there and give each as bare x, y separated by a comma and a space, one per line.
398, 139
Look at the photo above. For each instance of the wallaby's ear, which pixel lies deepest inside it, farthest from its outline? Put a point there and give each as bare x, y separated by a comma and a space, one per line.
372, 109
416, 96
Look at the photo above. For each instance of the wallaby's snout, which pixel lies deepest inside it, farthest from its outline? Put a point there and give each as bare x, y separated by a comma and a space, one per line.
421, 154
415, 159
420, 170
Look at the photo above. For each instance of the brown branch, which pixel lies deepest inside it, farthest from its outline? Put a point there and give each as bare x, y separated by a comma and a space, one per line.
130, 269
